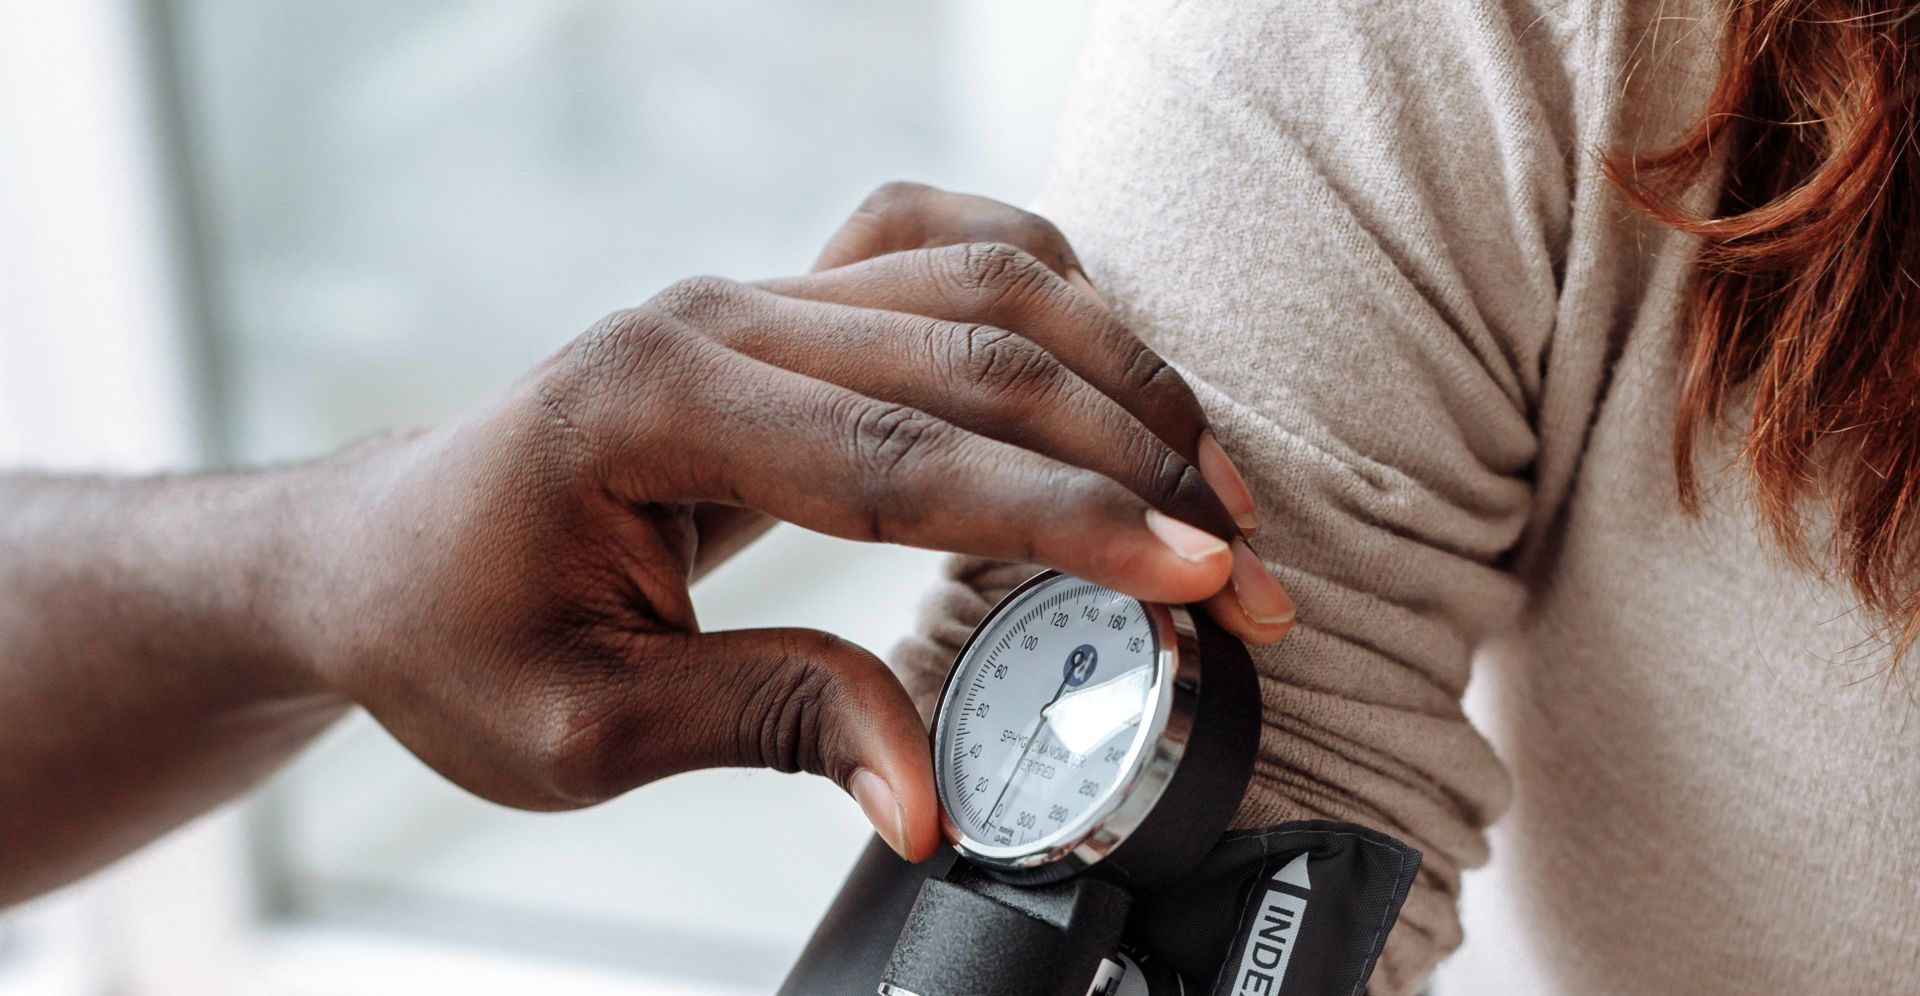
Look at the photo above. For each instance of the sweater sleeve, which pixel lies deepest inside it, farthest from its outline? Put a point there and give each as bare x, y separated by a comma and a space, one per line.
1344, 223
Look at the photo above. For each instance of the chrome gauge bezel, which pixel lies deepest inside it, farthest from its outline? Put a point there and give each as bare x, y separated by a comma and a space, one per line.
1146, 773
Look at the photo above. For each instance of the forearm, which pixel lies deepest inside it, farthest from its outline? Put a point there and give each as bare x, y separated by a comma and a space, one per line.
147, 665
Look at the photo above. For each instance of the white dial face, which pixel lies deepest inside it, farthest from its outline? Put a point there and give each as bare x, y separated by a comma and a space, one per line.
1046, 715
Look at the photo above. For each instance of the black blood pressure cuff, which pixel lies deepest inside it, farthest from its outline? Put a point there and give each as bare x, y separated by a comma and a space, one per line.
1296, 909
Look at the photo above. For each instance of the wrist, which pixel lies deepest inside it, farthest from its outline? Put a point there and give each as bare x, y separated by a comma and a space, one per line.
332, 559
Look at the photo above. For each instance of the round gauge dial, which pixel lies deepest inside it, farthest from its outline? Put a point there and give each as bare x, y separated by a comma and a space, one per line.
1050, 712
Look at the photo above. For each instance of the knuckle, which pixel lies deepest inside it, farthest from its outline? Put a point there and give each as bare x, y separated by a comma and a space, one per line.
600, 369
625, 341
999, 361
888, 438
889, 442
699, 299
784, 724
1147, 371
1173, 483
1156, 387
1000, 271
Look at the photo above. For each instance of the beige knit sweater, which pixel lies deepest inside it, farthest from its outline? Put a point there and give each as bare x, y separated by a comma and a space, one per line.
1375, 238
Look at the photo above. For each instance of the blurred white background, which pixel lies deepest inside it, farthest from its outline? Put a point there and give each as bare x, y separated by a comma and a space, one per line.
237, 232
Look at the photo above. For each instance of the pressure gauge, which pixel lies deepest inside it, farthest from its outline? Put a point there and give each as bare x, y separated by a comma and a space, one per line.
1081, 728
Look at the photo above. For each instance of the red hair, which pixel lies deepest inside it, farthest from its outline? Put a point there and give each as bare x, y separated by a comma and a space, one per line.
1806, 294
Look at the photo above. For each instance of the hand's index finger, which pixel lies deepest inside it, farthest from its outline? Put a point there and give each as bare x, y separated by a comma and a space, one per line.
841, 463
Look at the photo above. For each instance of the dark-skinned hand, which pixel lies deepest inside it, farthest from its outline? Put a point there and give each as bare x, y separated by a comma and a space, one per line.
508, 593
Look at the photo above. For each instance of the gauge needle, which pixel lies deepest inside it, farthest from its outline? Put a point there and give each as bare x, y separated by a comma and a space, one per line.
1086, 717
1033, 734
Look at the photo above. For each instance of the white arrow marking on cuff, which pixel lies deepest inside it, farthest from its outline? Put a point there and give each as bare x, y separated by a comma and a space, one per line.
1294, 872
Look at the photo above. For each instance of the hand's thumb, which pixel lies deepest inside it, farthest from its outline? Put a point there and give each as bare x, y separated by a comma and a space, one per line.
802, 700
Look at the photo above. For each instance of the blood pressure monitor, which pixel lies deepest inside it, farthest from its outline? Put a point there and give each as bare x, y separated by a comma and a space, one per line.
1080, 727
1089, 748
1089, 751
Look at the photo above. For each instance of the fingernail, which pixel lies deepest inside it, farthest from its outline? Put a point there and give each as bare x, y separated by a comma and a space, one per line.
1186, 541
1079, 280
1232, 488
883, 811
1259, 592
